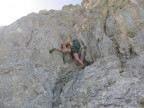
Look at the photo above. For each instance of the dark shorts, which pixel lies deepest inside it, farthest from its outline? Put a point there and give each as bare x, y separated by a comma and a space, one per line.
74, 50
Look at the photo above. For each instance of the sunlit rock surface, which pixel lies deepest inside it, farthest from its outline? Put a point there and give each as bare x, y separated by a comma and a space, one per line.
113, 33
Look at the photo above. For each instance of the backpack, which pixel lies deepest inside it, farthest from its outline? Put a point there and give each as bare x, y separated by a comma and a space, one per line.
75, 43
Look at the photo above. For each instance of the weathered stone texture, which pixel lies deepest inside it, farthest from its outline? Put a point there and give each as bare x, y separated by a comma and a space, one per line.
113, 33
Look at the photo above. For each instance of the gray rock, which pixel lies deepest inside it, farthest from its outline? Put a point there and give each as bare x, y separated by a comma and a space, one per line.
113, 35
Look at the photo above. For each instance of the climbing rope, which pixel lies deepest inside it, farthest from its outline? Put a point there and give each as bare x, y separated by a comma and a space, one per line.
77, 69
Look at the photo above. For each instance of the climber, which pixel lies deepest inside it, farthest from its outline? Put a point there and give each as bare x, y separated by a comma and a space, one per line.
72, 48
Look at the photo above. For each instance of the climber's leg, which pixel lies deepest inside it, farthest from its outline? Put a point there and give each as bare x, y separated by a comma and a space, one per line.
78, 60
61, 50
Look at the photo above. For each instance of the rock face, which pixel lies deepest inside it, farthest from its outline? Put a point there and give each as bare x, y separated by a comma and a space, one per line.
113, 33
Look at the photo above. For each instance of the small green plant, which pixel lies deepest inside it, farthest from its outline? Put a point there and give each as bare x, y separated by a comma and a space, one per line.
121, 71
131, 34
141, 102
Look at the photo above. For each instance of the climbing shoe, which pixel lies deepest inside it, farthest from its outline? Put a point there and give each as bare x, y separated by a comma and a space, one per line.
83, 66
51, 50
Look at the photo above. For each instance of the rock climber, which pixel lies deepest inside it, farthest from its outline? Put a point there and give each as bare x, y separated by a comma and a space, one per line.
72, 48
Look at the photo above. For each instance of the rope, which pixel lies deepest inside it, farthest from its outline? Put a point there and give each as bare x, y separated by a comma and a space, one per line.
77, 69
86, 93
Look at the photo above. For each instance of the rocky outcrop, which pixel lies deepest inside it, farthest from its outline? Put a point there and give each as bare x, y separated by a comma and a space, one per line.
113, 33
2, 28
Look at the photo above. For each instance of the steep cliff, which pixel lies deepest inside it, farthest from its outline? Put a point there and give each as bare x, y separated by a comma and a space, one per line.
113, 33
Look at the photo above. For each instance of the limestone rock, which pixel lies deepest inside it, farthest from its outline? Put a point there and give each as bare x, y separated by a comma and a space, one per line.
113, 36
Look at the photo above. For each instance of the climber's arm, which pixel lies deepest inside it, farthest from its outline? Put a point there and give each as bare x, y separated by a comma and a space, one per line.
65, 43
